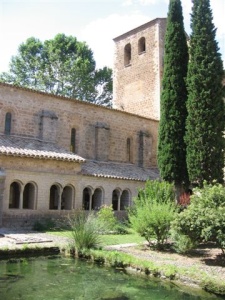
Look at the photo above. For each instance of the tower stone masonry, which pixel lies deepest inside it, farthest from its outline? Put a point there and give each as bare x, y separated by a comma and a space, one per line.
138, 69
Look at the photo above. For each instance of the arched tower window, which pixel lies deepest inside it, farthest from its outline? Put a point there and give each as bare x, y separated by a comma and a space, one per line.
127, 55
141, 45
8, 121
73, 140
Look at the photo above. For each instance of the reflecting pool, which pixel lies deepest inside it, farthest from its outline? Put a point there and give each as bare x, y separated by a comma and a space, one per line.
47, 278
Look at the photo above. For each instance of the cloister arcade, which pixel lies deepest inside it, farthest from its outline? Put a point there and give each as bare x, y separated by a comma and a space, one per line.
25, 196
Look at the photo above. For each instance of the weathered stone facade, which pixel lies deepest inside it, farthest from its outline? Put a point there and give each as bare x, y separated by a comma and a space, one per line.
59, 154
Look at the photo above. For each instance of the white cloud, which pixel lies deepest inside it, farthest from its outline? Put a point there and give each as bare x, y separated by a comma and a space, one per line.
127, 3
147, 2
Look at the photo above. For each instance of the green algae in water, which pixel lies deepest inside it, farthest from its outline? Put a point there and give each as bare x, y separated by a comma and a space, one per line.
70, 279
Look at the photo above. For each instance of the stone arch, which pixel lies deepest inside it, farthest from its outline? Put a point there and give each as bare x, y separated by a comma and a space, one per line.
116, 199
29, 196
87, 196
141, 45
125, 199
55, 199
15, 194
127, 55
67, 197
97, 198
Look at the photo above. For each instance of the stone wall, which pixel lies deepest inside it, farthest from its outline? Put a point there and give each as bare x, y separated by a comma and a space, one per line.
101, 133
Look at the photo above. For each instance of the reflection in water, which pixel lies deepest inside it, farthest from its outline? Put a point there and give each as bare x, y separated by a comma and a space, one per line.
69, 279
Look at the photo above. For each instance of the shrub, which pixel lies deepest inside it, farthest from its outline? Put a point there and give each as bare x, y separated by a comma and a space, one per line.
84, 231
44, 225
182, 243
106, 218
153, 210
203, 220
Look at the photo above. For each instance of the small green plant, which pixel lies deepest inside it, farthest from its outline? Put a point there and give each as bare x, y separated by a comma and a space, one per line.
45, 225
182, 243
106, 218
84, 231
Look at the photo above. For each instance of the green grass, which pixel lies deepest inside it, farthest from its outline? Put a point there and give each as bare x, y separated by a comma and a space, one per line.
110, 239
116, 239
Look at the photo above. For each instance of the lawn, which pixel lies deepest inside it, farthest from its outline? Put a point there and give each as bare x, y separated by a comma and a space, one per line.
110, 239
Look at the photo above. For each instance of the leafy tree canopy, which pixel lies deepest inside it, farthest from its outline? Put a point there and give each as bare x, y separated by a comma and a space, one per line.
62, 66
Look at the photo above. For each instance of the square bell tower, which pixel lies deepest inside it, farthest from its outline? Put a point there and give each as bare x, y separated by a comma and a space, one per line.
138, 69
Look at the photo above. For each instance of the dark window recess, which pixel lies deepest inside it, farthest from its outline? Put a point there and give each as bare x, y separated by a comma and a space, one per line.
8, 120
73, 140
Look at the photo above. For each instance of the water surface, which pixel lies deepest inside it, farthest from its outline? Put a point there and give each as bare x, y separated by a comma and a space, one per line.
45, 278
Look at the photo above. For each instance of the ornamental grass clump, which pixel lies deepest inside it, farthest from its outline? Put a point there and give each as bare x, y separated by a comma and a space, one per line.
85, 231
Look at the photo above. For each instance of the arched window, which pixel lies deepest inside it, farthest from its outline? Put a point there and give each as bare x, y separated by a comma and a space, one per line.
127, 55
54, 200
141, 45
67, 198
73, 140
29, 196
97, 199
14, 195
87, 199
8, 121
124, 200
115, 199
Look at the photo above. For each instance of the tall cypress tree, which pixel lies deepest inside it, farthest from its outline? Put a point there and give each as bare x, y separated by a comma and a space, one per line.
171, 145
205, 121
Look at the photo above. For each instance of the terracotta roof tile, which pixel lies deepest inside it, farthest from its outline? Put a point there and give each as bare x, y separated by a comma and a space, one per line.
29, 147
118, 171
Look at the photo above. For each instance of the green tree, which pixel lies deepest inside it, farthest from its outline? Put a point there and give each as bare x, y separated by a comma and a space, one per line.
171, 146
205, 121
62, 66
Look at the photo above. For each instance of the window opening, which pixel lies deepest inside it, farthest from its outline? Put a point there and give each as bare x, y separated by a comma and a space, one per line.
8, 120
124, 200
54, 197
67, 198
14, 195
29, 196
73, 140
127, 55
141, 45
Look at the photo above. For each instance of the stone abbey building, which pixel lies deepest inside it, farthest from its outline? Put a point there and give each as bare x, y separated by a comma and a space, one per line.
59, 154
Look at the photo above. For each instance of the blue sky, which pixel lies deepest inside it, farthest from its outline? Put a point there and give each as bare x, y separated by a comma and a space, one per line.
95, 21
